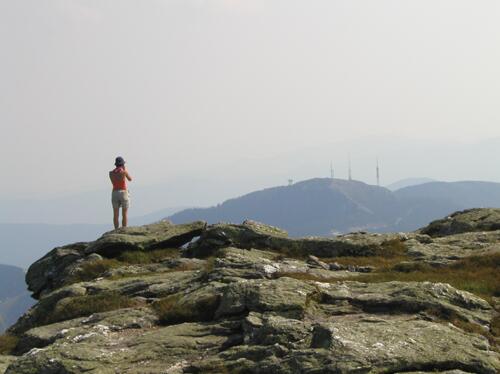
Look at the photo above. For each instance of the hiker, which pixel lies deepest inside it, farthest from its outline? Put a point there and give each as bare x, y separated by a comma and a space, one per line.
120, 196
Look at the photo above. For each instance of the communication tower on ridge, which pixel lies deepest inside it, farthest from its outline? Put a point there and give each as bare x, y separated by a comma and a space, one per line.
350, 171
332, 172
378, 174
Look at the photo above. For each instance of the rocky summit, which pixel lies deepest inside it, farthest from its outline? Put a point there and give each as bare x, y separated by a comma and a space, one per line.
246, 298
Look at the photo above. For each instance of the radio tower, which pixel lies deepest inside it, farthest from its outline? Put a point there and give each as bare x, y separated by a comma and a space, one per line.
350, 171
378, 174
332, 173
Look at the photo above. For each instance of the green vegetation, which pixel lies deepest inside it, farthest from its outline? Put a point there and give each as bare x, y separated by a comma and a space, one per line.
495, 327
391, 248
81, 306
477, 274
306, 277
92, 270
394, 249
291, 251
385, 256
209, 265
207, 268
461, 323
379, 262
212, 366
148, 257
172, 309
8, 343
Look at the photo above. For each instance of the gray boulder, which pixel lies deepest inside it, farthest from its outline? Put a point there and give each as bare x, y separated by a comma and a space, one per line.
5, 361
46, 272
248, 299
55, 269
159, 235
259, 236
471, 220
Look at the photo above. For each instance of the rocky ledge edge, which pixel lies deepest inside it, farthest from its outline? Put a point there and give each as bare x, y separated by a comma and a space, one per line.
227, 298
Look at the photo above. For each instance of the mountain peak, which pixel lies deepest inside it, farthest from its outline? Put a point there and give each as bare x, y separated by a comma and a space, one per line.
326, 206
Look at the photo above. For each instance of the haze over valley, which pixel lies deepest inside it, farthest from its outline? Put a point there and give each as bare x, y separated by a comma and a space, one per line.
320, 206
302, 186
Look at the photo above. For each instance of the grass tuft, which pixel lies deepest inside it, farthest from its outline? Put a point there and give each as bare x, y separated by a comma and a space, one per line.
89, 271
207, 269
81, 306
172, 310
391, 248
208, 366
385, 256
306, 277
495, 326
477, 274
92, 270
473, 328
8, 344
148, 257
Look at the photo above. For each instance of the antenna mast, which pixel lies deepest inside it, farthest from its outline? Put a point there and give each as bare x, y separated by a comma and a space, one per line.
350, 171
332, 172
378, 174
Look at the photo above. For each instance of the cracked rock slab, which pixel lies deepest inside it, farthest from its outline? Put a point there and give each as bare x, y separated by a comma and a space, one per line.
159, 235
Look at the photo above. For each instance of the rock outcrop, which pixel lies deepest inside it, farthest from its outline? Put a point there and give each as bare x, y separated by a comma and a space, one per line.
52, 270
246, 298
471, 220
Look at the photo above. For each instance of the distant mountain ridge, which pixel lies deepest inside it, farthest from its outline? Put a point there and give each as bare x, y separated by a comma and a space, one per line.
480, 194
24, 243
408, 182
325, 206
14, 297
90, 207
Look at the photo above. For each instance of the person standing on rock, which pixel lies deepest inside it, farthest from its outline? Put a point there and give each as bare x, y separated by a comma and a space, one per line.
120, 196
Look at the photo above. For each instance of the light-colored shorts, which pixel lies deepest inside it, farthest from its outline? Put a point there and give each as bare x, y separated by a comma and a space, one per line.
120, 199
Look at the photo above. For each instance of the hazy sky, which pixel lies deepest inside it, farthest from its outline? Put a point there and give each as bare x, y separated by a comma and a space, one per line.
241, 90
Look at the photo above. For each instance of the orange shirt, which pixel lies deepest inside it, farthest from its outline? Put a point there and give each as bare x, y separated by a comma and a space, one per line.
119, 180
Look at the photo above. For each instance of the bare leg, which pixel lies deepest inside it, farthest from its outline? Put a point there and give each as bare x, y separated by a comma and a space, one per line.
124, 217
116, 214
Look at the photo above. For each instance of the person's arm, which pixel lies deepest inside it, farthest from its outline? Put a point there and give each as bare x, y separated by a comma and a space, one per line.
127, 175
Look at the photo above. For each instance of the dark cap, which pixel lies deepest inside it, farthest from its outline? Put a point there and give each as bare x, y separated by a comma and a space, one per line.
119, 161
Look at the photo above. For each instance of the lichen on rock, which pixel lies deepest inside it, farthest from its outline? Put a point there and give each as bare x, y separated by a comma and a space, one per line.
249, 299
